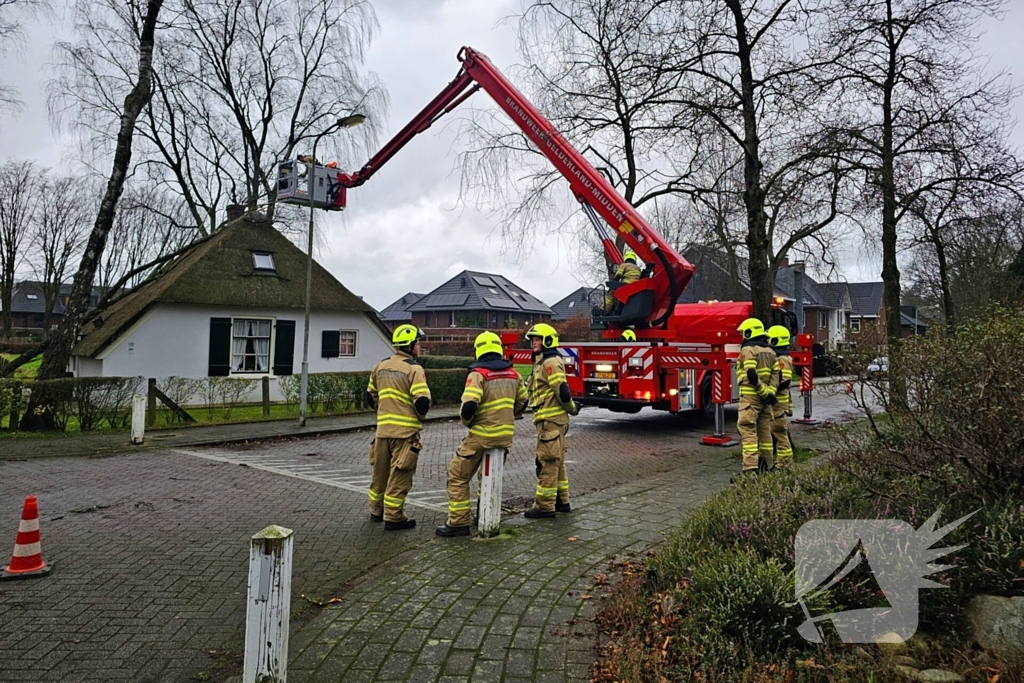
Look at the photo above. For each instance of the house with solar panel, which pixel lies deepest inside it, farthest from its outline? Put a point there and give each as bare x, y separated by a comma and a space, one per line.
477, 301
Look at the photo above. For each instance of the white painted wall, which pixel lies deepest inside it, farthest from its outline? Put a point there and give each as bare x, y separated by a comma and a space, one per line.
174, 340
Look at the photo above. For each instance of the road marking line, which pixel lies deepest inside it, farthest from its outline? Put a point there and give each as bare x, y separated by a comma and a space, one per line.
305, 477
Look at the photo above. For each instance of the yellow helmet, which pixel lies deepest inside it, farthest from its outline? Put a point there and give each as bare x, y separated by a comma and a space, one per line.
778, 336
548, 335
407, 335
750, 328
487, 342
629, 255
629, 335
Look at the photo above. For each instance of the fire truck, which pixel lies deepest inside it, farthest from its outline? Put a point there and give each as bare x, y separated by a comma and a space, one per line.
682, 358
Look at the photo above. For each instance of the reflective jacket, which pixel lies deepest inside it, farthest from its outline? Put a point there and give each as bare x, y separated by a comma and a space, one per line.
549, 394
785, 379
628, 272
396, 384
757, 354
493, 396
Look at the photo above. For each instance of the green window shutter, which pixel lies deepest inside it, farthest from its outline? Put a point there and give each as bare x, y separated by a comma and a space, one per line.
220, 347
330, 343
284, 348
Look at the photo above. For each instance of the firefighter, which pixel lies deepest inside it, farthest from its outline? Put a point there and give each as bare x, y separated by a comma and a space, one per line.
757, 374
398, 391
552, 405
629, 336
493, 398
627, 273
778, 338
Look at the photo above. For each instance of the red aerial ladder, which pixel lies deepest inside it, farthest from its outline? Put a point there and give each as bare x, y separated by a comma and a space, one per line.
681, 360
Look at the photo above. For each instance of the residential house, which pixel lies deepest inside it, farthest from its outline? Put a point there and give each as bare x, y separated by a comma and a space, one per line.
398, 312
473, 301
232, 305
867, 321
826, 306
28, 306
577, 303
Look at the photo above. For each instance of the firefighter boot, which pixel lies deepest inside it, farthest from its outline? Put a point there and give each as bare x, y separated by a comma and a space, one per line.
534, 513
562, 507
398, 526
450, 531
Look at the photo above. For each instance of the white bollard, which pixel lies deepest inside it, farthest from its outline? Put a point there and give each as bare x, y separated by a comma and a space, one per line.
492, 467
138, 418
268, 607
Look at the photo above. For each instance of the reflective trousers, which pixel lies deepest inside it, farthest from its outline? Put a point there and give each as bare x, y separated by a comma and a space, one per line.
780, 432
394, 463
754, 425
553, 480
463, 466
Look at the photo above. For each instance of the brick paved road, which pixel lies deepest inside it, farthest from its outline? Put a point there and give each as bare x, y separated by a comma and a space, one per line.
151, 549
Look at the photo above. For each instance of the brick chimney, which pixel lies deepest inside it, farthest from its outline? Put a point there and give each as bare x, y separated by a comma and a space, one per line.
235, 211
784, 262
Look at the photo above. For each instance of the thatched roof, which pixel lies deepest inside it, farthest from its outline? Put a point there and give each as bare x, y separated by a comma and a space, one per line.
219, 271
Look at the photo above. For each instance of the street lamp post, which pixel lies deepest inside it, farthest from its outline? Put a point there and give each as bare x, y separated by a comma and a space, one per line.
344, 122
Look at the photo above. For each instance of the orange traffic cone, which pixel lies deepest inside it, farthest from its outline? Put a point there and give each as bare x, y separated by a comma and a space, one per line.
27, 560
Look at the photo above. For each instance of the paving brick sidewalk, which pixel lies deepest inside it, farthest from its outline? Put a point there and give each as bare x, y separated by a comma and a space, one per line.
512, 609
118, 442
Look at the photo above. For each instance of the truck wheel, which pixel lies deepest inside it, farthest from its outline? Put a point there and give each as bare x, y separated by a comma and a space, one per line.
707, 408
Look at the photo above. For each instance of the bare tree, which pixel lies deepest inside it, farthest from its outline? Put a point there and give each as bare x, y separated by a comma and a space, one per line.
145, 228
12, 14
19, 202
238, 86
911, 83
670, 97
57, 235
59, 345
602, 73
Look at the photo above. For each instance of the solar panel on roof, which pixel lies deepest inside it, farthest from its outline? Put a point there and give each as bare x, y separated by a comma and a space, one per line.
484, 281
438, 300
500, 302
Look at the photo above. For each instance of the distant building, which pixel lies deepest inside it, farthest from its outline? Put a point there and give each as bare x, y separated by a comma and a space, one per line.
398, 312
477, 301
867, 321
577, 303
28, 306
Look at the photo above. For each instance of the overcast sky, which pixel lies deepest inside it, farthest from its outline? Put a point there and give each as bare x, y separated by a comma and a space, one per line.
404, 230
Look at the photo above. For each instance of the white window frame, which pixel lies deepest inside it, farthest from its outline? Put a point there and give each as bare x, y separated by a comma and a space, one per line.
257, 267
269, 372
355, 344
855, 325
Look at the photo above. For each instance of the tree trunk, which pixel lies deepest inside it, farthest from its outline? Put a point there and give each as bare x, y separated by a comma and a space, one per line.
58, 348
758, 246
948, 307
890, 267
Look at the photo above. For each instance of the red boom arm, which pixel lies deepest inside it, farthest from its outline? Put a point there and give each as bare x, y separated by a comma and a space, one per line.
671, 271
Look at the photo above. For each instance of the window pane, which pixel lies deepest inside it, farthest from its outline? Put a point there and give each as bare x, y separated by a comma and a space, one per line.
347, 343
250, 346
262, 261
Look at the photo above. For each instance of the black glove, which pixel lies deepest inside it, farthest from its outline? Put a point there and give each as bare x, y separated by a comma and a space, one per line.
752, 377
784, 384
770, 400
574, 408
539, 466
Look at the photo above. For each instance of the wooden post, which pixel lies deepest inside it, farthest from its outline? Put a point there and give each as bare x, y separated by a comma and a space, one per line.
138, 418
266, 397
490, 492
151, 411
268, 606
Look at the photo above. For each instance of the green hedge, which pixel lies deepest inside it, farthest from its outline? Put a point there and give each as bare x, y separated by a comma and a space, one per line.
92, 400
446, 385
445, 362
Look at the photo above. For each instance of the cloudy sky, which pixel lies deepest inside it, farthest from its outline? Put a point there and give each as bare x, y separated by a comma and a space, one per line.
405, 230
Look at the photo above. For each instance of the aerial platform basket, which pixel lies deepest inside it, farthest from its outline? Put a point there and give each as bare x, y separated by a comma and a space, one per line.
293, 185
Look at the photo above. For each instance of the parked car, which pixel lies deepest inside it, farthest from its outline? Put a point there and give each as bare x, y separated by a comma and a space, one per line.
878, 367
